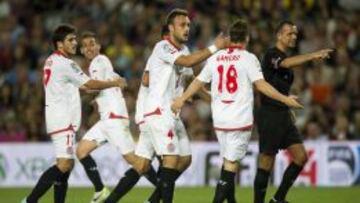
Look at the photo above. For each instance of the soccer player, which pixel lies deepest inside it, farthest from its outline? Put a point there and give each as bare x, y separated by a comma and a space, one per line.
167, 65
276, 128
62, 80
113, 126
232, 73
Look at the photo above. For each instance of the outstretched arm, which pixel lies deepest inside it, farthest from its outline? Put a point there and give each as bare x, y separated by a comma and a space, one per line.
294, 61
99, 85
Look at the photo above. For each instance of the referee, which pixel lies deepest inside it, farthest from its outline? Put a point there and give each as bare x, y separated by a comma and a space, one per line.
276, 128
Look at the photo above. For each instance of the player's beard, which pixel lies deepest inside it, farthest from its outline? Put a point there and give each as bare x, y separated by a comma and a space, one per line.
181, 39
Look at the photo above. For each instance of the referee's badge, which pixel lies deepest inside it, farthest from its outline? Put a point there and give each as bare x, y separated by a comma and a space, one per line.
275, 62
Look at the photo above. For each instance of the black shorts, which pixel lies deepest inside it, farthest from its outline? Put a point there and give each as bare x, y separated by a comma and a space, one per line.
276, 130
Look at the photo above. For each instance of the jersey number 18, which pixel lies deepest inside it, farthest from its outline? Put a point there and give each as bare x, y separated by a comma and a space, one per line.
230, 80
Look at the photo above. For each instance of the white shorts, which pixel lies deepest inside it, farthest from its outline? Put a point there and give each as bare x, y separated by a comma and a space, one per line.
233, 145
184, 142
114, 131
144, 147
168, 135
64, 143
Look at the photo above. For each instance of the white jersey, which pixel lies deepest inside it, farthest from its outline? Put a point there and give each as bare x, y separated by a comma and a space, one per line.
75, 109
232, 72
111, 103
140, 104
165, 76
62, 78
140, 101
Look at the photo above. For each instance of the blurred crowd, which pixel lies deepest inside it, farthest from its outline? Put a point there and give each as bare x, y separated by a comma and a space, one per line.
128, 29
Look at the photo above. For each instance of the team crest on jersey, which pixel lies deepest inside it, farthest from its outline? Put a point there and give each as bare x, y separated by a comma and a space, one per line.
168, 49
75, 67
48, 63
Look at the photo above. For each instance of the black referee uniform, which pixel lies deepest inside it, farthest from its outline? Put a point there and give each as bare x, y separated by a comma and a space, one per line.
275, 123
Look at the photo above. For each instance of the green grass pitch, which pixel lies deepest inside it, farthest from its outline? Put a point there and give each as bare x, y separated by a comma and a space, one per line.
199, 195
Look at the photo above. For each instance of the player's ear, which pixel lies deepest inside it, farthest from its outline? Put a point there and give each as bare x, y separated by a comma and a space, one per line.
171, 28
278, 36
59, 45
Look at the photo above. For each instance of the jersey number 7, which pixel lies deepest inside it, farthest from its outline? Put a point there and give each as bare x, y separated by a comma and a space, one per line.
230, 80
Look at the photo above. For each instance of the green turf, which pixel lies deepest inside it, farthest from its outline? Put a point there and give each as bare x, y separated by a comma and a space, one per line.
199, 195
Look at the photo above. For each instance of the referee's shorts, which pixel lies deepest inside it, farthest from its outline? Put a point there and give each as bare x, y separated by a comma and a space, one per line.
276, 130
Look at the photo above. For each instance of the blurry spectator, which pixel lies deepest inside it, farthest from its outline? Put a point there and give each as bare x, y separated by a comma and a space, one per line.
314, 132
341, 129
357, 125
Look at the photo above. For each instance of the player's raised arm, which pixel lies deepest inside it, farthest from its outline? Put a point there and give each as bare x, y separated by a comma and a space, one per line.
265, 88
294, 61
199, 56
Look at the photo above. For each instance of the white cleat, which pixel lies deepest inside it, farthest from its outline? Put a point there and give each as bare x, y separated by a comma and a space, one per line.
101, 196
23, 200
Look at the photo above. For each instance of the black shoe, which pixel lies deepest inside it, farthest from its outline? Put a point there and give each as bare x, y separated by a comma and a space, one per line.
274, 201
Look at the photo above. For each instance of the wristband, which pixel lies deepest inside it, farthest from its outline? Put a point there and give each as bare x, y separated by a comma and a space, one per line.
212, 49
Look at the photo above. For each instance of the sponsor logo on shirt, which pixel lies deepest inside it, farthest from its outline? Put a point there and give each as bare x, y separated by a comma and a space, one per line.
75, 68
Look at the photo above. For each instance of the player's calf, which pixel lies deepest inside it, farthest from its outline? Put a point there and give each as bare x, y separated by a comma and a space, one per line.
225, 189
46, 180
265, 165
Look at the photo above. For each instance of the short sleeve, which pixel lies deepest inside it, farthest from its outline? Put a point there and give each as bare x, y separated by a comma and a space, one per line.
274, 59
97, 73
254, 70
205, 74
75, 75
99, 67
147, 67
167, 53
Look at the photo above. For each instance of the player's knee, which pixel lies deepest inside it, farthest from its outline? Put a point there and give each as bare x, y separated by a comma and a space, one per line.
187, 161
170, 161
301, 159
184, 163
130, 158
143, 167
266, 161
65, 165
232, 166
81, 152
